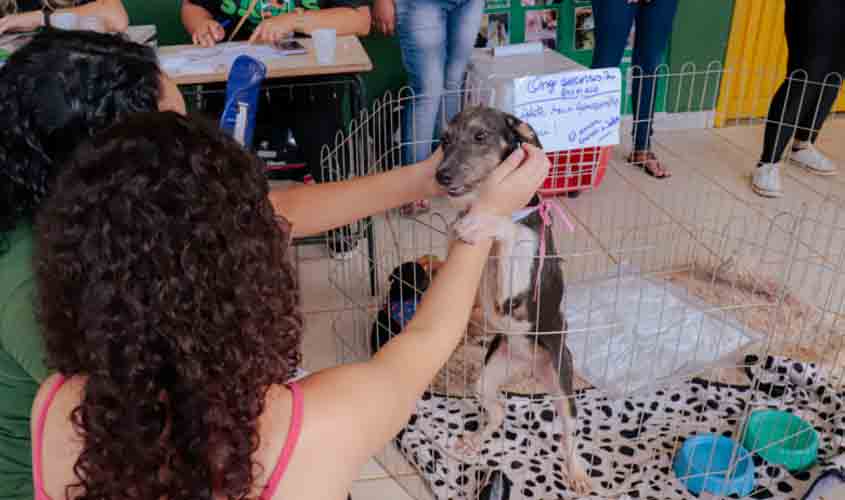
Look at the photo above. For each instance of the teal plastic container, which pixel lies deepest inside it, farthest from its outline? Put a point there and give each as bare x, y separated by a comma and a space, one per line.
782, 438
715, 464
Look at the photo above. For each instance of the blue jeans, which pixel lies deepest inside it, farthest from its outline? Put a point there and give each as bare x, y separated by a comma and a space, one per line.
436, 38
614, 19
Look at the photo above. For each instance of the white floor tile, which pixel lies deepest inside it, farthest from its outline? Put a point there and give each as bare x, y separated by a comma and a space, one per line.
378, 489
319, 349
372, 470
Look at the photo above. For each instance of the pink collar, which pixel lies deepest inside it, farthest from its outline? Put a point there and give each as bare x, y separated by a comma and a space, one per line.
545, 208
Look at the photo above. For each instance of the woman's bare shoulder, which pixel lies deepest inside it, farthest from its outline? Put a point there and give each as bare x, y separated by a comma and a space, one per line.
70, 392
58, 443
325, 438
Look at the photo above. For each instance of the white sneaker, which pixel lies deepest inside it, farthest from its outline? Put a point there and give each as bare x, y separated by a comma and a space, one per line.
813, 160
766, 180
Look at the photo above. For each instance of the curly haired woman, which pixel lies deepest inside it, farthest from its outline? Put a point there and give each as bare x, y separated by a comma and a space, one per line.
57, 90
170, 312
26, 15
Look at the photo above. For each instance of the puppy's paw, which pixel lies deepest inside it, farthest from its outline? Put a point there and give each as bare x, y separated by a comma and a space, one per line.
577, 478
473, 228
469, 445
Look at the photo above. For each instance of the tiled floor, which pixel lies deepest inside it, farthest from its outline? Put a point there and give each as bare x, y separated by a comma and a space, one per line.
719, 161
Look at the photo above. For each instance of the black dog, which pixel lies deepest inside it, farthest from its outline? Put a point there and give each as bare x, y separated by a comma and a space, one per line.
474, 144
407, 284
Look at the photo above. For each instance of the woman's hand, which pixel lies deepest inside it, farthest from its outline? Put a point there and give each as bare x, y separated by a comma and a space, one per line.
25, 21
512, 185
208, 33
273, 29
433, 188
384, 16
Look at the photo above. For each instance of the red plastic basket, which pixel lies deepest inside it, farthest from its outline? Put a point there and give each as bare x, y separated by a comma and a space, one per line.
576, 170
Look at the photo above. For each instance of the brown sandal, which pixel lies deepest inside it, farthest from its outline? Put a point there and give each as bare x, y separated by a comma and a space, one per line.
648, 162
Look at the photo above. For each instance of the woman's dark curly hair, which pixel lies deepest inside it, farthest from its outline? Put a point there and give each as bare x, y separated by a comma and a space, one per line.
163, 276
57, 90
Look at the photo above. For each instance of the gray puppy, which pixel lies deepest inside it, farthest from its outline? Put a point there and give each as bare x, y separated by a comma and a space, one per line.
528, 340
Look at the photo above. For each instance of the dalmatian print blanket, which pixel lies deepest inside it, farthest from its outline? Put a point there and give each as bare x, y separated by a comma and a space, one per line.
627, 445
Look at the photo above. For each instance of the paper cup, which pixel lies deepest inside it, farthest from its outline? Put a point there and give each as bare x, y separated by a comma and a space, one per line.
325, 42
92, 23
64, 21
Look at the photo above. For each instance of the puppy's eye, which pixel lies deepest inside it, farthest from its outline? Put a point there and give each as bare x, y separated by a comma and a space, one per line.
445, 140
480, 136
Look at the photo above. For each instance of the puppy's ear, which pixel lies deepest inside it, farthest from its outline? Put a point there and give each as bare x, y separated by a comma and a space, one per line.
523, 131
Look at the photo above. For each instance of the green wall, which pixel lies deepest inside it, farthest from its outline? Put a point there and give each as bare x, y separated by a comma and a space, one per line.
388, 72
700, 37
163, 13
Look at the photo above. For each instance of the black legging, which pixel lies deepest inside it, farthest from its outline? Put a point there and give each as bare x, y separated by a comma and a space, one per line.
815, 35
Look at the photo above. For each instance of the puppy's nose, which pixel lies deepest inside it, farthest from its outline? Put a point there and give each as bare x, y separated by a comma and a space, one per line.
443, 177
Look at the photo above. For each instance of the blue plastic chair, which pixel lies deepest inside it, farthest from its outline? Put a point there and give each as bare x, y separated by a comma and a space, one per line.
242, 90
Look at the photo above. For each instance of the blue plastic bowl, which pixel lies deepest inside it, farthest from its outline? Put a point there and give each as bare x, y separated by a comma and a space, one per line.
703, 462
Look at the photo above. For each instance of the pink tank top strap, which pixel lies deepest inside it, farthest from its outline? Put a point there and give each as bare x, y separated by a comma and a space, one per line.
269, 490
290, 443
38, 441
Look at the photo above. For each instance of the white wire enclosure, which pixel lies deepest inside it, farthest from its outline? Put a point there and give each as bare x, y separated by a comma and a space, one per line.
688, 313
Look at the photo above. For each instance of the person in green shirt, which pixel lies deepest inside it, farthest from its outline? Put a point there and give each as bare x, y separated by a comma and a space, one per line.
26, 15
56, 91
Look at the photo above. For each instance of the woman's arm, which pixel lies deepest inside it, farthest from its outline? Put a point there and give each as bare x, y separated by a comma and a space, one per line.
314, 208
376, 398
384, 14
201, 25
111, 11
346, 20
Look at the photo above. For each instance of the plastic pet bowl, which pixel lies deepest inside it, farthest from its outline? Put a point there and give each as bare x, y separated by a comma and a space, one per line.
704, 464
782, 438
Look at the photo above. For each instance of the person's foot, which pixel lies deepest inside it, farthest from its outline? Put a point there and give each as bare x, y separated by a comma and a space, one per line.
648, 162
810, 158
766, 180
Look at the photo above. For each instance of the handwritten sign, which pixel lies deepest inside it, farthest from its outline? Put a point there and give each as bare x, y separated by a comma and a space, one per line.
571, 110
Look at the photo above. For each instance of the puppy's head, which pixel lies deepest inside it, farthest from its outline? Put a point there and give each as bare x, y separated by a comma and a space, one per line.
474, 143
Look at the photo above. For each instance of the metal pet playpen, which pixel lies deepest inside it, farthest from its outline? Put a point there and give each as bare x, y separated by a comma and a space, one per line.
707, 331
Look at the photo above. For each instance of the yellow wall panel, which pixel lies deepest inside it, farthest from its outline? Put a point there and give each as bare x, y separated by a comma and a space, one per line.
755, 63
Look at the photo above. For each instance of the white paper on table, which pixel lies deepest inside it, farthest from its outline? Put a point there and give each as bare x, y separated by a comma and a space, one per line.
199, 60
573, 109
145, 34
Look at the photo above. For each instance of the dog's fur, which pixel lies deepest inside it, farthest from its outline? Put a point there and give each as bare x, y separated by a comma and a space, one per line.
474, 144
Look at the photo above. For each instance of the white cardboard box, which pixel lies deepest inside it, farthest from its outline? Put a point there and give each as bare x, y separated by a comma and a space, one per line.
490, 79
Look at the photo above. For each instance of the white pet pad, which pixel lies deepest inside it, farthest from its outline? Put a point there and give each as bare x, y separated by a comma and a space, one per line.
629, 334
